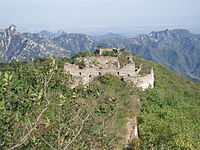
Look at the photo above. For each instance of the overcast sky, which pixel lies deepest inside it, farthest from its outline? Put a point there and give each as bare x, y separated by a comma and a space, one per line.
94, 13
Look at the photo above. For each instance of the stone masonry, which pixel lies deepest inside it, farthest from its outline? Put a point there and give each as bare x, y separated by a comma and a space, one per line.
100, 51
99, 65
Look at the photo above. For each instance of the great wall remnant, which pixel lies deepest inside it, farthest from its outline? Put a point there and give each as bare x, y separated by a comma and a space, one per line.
132, 130
100, 51
100, 65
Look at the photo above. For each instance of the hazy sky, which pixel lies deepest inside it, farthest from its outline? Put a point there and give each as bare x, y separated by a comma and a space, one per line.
94, 13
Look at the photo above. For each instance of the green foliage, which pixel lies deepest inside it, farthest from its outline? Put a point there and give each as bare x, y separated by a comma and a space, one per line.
169, 116
123, 57
95, 62
81, 64
40, 111
109, 79
135, 144
110, 53
145, 69
122, 49
85, 53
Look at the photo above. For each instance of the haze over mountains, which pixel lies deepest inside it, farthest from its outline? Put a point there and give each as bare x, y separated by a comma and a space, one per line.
177, 49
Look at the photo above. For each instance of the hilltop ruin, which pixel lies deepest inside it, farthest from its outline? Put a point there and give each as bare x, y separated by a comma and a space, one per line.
100, 51
99, 65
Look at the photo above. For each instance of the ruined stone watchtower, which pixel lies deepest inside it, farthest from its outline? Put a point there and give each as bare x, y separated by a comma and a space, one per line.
99, 65
100, 51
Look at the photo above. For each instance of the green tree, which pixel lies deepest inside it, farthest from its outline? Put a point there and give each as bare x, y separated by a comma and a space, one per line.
85, 53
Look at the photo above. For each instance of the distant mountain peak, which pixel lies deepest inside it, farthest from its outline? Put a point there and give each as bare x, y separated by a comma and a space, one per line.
52, 35
166, 32
12, 28
14, 45
60, 31
109, 35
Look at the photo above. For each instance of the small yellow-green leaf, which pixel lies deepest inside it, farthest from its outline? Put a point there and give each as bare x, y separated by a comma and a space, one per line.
40, 94
16, 117
1, 104
10, 77
6, 76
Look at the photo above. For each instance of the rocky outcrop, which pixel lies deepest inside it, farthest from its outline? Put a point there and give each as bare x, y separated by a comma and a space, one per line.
52, 35
16, 46
75, 42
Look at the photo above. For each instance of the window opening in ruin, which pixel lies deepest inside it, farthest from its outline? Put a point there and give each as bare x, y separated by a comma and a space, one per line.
79, 73
128, 75
99, 73
118, 73
90, 76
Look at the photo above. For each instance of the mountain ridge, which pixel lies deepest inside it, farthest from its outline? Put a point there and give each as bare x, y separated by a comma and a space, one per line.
109, 35
17, 46
75, 42
177, 49
52, 35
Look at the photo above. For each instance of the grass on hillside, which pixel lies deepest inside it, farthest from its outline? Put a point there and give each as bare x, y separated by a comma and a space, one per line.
96, 114
40, 111
169, 117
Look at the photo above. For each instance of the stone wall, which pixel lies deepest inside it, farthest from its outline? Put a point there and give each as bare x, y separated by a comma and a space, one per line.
96, 66
146, 81
100, 61
100, 51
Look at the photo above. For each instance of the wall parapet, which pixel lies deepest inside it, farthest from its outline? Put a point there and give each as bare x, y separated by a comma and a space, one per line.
101, 65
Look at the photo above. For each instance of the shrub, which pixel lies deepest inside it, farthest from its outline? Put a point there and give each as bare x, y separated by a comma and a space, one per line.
123, 57
135, 144
85, 53
81, 64
109, 79
110, 53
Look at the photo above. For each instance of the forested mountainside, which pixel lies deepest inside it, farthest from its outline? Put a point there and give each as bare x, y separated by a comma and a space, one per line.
178, 49
39, 110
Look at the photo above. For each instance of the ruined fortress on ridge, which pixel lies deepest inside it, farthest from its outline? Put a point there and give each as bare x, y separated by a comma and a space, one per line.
99, 65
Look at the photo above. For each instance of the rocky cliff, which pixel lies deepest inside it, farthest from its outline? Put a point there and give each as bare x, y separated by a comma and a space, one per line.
75, 42
23, 46
52, 35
